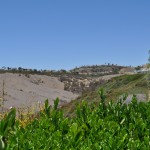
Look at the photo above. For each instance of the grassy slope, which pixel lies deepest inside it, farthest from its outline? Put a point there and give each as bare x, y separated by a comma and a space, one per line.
131, 84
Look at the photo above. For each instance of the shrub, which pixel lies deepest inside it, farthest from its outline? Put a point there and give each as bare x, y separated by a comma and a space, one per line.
113, 126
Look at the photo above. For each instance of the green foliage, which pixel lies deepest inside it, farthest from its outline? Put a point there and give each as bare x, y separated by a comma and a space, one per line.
47, 108
7, 127
95, 127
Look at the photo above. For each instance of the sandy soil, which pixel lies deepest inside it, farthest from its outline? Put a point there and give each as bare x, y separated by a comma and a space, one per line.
21, 91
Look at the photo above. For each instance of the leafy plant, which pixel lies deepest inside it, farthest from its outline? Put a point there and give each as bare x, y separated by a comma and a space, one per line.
7, 126
104, 126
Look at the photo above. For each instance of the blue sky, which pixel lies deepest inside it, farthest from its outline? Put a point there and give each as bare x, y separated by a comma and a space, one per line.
63, 34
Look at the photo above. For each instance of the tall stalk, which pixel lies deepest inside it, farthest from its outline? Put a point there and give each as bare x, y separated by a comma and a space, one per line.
3, 93
2, 97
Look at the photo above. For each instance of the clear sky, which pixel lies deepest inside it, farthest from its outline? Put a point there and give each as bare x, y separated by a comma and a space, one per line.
63, 34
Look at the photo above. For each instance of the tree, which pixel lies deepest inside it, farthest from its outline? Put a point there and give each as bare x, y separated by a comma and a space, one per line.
138, 68
19, 68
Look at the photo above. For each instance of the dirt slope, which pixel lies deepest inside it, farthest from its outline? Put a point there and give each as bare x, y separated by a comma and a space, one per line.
21, 90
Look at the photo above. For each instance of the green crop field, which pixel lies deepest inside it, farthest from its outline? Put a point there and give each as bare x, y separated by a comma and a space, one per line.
115, 126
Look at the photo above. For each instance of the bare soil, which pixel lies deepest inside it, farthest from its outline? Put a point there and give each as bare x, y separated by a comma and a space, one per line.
24, 91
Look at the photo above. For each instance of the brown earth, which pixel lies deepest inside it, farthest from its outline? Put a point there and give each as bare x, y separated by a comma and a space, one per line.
26, 90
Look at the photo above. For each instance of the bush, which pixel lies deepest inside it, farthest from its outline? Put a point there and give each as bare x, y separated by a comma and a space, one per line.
113, 126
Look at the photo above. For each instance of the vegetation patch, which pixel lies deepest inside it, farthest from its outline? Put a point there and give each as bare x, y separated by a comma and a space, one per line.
115, 87
113, 126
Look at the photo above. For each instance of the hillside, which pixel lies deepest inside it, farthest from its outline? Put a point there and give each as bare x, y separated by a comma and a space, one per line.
79, 84
114, 88
90, 121
26, 87
84, 71
87, 78
27, 90
99, 70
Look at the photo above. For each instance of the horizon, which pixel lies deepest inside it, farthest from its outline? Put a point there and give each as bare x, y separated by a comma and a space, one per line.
64, 35
108, 64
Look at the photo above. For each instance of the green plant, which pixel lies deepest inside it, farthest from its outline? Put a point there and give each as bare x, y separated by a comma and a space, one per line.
104, 126
7, 127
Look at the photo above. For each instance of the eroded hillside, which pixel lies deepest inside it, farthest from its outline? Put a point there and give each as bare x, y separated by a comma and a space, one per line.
19, 90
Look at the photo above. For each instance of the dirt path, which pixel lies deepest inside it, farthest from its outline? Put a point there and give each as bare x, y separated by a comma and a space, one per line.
108, 77
140, 98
